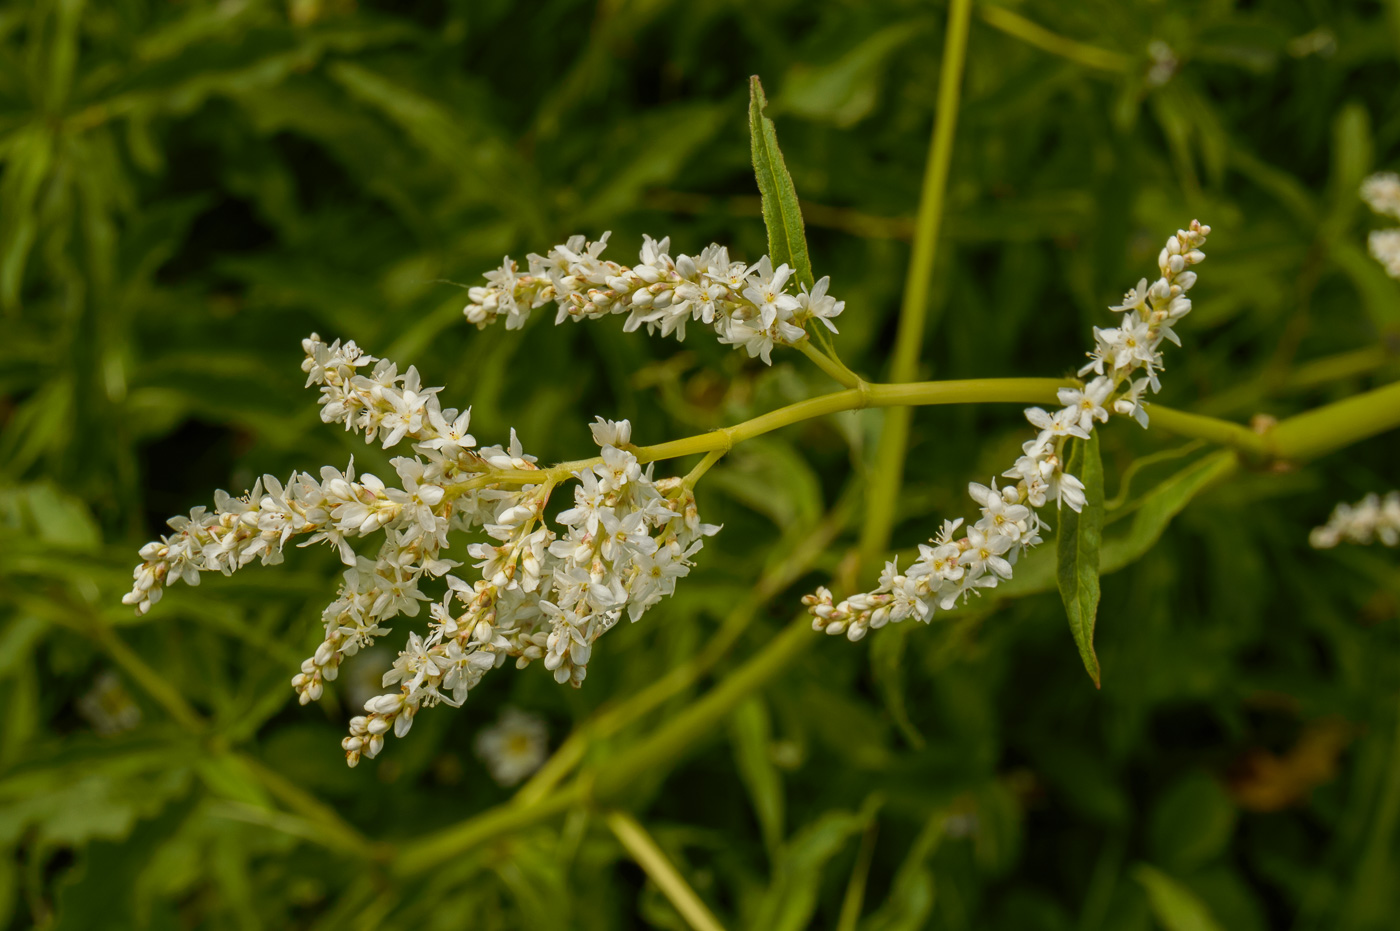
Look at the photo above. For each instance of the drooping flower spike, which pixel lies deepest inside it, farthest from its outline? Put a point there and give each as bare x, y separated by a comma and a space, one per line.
1125, 362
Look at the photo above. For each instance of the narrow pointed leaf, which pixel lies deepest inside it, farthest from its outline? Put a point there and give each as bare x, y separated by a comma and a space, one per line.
1080, 538
1175, 907
787, 239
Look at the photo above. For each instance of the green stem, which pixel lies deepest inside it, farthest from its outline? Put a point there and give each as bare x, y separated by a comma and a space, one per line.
1342, 365
828, 364
1257, 448
682, 733
888, 471
1253, 447
654, 863
854, 899
703, 466
1031, 33
1017, 390
1333, 426
438, 848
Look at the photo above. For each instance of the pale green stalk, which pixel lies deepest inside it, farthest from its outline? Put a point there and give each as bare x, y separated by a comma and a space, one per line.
653, 862
1091, 56
914, 394
888, 470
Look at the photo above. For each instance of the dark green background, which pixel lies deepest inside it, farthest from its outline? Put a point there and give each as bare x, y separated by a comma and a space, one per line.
190, 188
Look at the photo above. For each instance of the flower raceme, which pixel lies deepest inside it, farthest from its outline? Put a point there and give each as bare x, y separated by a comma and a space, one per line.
749, 306
542, 594
1125, 362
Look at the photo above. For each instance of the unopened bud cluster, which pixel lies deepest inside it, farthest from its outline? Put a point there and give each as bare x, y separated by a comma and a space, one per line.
1125, 363
1370, 519
541, 594
1382, 192
749, 306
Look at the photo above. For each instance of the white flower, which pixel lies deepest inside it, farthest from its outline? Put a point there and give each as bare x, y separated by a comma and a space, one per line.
984, 553
1064, 422
818, 304
1089, 401
1135, 299
514, 747
1385, 248
616, 433
1382, 192
450, 433
1371, 518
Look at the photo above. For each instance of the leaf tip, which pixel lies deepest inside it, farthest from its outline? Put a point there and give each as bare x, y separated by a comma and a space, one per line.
756, 94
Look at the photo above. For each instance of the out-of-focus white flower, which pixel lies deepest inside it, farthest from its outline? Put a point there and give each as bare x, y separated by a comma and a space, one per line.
1385, 248
514, 747
1382, 192
1370, 519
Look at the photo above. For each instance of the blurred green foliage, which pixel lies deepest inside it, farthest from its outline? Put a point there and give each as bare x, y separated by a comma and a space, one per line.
189, 189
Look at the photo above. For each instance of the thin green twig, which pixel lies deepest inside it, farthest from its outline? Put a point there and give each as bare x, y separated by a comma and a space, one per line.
630, 833
1090, 56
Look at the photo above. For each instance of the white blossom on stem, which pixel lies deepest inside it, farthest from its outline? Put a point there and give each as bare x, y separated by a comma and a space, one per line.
1126, 361
754, 307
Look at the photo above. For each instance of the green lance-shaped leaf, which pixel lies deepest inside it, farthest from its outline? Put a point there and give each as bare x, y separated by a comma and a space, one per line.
1175, 907
1079, 540
787, 239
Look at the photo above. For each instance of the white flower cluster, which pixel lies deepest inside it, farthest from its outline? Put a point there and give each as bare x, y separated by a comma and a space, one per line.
513, 747
1371, 518
750, 306
1125, 362
1382, 192
541, 595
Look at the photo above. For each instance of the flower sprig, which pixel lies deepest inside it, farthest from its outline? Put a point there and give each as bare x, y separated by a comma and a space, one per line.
1125, 362
749, 306
541, 594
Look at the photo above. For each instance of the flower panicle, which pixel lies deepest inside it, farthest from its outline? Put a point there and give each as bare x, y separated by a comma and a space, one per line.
959, 561
543, 593
753, 307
